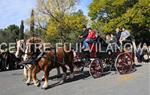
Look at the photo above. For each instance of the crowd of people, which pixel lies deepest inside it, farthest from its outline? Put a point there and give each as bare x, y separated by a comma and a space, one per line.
121, 36
8, 61
143, 52
90, 35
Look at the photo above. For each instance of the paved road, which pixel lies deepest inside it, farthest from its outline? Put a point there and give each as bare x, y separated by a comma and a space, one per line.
137, 83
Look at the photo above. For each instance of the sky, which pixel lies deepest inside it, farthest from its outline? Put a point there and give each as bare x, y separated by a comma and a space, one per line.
13, 11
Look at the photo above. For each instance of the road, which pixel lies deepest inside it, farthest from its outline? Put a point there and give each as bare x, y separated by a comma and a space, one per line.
136, 83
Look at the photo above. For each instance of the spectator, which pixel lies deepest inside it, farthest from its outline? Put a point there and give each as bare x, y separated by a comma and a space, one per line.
125, 35
110, 38
138, 53
144, 53
118, 34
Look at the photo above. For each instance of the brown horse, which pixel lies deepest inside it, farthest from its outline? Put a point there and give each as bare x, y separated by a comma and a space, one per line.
50, 60
22, 49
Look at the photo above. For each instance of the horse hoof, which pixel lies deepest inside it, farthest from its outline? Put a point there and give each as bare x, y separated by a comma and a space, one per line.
38, 84
45, 88
28, 84
43, 79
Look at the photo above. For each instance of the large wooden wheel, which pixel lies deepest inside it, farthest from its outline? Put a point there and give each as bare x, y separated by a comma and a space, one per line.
96, 68
123, 63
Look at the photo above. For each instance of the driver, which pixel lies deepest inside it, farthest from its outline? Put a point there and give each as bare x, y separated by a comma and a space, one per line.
84, 34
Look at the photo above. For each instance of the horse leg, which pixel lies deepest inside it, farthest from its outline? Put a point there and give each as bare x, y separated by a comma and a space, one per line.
46, 70
64, 73
25, 75
29, 75
71, 70
36, 69
58, 72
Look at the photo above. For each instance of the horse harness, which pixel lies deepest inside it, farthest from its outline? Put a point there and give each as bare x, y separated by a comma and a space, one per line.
54, 58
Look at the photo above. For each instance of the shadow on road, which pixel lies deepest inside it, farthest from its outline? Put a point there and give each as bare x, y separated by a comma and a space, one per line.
83, 75
138, 65
77, 77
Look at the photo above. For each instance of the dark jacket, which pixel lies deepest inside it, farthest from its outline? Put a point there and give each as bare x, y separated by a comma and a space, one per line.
118, 37
84, 34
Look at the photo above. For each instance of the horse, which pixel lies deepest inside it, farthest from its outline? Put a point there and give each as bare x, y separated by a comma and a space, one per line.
50, 60
20, 51
30, 45
22, 46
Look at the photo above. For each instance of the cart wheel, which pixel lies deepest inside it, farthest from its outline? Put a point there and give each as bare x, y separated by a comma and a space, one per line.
96, 68
123, 63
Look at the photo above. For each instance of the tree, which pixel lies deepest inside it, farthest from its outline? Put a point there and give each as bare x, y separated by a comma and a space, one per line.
21, 32
60, 18
132, 14
32, 23
9, 34
70, 27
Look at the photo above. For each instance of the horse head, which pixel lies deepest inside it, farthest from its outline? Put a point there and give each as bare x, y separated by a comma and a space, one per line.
33, 45
20, 45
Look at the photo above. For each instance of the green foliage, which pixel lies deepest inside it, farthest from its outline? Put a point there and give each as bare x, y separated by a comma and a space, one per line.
110, 14
62, 22
69, 27
9, 34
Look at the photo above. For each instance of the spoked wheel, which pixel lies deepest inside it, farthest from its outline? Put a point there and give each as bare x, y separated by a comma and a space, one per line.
96, 68
123, 63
